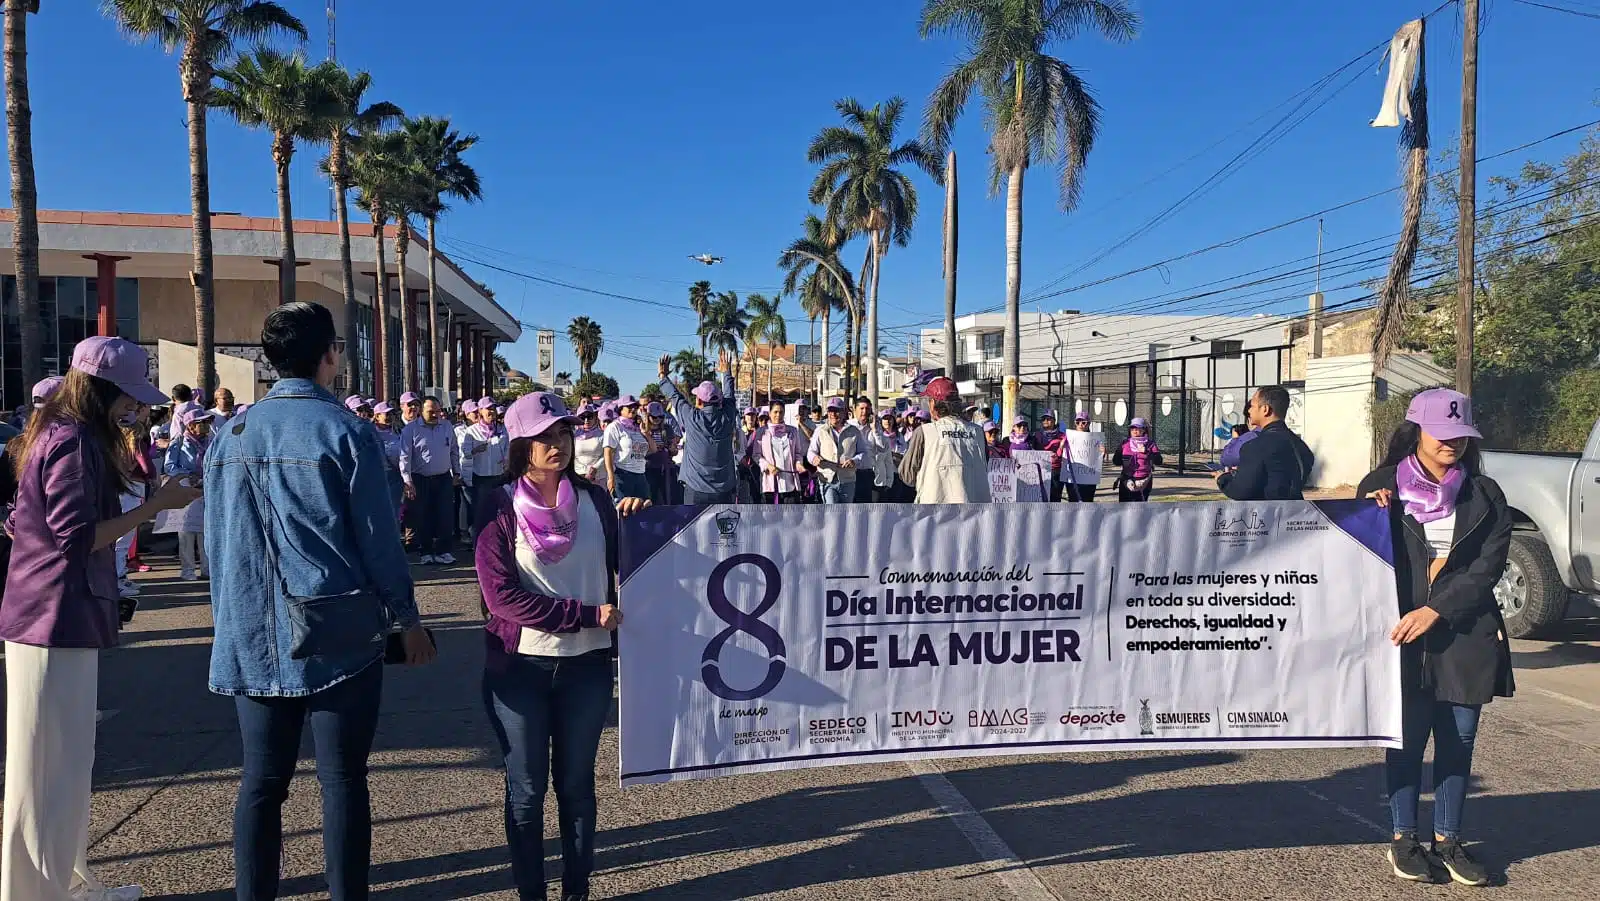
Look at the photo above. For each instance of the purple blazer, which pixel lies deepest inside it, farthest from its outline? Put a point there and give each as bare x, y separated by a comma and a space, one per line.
511, 607
60, 592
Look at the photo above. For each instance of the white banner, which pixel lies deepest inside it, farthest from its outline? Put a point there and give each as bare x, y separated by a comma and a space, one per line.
766, 638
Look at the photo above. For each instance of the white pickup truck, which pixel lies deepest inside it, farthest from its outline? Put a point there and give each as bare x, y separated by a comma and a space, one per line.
1555, 552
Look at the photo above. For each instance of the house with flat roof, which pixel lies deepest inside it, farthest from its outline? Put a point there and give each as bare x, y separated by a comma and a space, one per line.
129, 274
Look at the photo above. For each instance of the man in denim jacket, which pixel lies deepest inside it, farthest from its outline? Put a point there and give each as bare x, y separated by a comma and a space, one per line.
300, 481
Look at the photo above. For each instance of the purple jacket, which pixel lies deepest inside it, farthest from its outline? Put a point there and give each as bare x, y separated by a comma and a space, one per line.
512, 607
60, 593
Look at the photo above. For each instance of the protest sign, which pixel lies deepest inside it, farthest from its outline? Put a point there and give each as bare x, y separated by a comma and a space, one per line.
1002, 480
771, 638
1033, 475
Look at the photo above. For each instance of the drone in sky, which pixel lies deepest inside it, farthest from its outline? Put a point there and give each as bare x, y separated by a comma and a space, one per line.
705, 258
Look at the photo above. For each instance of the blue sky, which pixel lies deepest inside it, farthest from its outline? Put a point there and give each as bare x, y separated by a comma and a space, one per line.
618, 138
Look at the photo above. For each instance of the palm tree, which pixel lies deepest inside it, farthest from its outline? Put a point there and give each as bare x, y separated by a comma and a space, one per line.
206, 31
277, 91
766, 325
725, 324
587, 342
865, 193
700, 303
1037, 107
351, 121
691, 367
378, 172
812, 266
952, 244
437, 150
24, 192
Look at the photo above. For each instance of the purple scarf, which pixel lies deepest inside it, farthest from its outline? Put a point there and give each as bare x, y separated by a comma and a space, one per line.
1425, 499
549, 529
484, 432
1020, 442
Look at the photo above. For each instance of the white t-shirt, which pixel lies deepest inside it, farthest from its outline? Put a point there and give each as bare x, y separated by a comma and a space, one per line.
581, 574
629, 444
586, 453
1441, 533
1088, 452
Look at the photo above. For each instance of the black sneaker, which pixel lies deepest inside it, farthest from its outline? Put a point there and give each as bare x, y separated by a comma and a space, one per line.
1463, 868
1409, 859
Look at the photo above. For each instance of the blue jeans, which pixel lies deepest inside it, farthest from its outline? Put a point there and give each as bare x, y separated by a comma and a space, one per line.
1454, 728
837, 492
632, 484
344, 718
548, 713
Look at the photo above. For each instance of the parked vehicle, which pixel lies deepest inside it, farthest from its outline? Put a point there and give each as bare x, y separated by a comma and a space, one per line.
1555, 552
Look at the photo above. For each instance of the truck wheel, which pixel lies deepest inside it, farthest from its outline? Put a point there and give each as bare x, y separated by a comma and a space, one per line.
1530, 592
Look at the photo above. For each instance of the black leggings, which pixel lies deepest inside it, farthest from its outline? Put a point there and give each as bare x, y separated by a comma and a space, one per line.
1080, 493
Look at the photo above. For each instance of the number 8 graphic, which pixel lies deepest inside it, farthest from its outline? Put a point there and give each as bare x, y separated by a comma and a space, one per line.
748, 623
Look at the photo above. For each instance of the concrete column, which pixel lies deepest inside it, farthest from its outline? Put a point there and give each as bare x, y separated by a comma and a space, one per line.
106, 290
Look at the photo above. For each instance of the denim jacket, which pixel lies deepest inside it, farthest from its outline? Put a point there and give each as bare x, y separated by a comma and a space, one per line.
183, 457
320, 472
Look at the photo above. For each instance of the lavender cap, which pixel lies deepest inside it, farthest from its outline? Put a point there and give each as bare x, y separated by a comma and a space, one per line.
354, 402
120, 362
656, 409
1139, 422
836, 403
410, 397
532, 414
382, 407
469, 406
1444, 414
708, 392
45, 388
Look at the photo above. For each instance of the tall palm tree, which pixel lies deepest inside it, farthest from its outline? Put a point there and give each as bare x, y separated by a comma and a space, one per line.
587, 342
203, 33
279, 92
1036, 106
812, 266
700, 303
345, 130
766, 325
24, 192
864, 191
952, 245
724, 327
690, 366
437, 149
378, 171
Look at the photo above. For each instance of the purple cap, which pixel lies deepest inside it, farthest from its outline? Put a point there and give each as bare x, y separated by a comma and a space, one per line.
1083, 416
836, 403
354, 402
1020, 420
1139, 422
1444, 414
923, 415
410, 397
656, 409
708, 392
586, 408
45, 388
120, 362
1048, 414
532, 414
989, 425
486, 402
469, 406
888, 413
192, 414
749, 411
626, 400
383, 407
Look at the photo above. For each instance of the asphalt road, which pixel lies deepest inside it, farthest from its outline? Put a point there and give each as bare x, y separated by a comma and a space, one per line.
1301, 824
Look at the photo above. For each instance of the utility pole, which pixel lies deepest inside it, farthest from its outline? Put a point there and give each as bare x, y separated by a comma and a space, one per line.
1466, 231
951, 247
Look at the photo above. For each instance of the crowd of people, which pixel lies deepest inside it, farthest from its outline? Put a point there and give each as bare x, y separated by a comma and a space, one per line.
316, 503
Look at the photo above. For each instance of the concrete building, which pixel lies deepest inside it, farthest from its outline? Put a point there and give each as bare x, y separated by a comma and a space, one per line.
129, 273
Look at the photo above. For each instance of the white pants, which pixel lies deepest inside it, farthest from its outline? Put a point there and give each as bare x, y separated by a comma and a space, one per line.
192, 552
129, 501
50, 714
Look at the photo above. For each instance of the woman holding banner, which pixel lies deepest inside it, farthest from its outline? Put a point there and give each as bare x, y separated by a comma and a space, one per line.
1138, 457
1085, 454
1452, 532
547, 563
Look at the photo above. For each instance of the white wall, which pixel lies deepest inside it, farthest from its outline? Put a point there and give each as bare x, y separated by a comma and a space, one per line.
1337, 410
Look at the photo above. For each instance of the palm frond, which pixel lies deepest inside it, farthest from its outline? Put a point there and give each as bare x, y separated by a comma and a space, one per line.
947, 102
256, 20
1067, 19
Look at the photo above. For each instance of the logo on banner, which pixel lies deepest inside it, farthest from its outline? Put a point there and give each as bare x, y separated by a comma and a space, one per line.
1012, 721
1235, 527
1182, 719
1093, 718
1257, 719
1147, 721
748, 623
920, 719
728, 528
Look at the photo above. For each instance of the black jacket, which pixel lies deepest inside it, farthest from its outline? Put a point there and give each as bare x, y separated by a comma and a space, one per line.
1466, 657
1273, 466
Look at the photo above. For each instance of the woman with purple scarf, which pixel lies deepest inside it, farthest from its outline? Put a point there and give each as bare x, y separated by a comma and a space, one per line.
1138, 456
1452, 532
547, 563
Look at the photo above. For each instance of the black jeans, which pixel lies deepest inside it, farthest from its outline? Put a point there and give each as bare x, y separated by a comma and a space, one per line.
548, 713
343, 718
863, 488
1080, 493
478, 499
691, 496
436, 510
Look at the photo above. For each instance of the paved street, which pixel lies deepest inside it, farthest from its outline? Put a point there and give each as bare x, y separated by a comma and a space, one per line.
1301, 824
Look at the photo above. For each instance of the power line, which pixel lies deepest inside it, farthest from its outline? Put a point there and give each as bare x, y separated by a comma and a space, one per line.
1559, 9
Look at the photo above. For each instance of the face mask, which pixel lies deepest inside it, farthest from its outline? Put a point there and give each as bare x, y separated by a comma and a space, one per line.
129, 418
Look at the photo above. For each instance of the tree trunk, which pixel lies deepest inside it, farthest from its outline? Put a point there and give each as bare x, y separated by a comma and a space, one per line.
827, 353
347, 269
205, 332
435, 352
1013, 336
951, 245
380, 309
408, 338
282, 155
24, 192
770, 352
859, 306
871, 355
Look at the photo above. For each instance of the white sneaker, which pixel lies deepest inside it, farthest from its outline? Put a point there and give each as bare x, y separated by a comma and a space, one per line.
429, 560
447, 559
